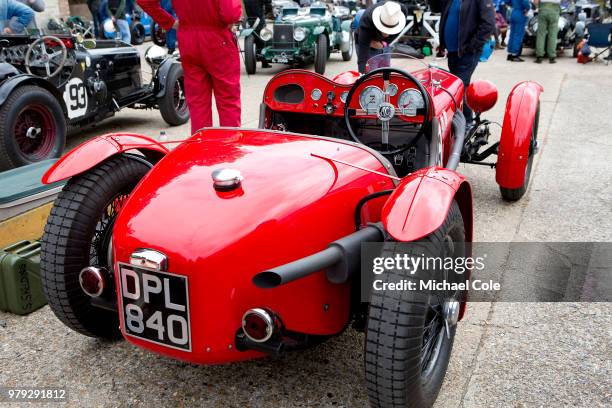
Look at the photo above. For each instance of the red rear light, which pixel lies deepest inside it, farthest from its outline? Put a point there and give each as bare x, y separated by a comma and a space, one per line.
258, 325
92, 281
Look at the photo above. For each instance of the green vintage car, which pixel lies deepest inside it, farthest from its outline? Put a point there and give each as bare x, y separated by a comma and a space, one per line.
300, 36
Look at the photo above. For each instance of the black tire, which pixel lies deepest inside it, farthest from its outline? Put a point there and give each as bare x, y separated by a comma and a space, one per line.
25, 105
158, 35
77, 234
320, 54
406, 350
138, 33
347, 55
515, 194
250, 55
173, 105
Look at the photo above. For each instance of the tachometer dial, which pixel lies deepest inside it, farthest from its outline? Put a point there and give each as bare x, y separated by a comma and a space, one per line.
409, 101
370, 98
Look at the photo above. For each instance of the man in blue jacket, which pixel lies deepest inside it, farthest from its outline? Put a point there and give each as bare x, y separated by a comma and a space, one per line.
22, 16
465, 26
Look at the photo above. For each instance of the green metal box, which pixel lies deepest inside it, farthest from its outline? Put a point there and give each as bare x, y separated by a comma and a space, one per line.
20, 285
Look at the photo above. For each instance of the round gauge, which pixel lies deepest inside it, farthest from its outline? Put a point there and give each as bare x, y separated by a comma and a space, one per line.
370, 99
392, 88
316, 94
409, 101
343, 96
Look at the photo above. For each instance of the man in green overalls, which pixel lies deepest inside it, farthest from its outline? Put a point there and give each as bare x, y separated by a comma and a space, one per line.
548, 28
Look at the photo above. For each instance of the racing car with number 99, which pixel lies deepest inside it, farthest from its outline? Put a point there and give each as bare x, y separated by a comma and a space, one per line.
240, 243
52, 84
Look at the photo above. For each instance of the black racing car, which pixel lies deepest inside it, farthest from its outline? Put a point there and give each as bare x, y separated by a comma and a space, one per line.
49, 84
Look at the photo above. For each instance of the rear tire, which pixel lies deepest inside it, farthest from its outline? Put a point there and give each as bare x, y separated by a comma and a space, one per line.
32, 127
320, 54
407, 350
138, 33
77, 235
250, 55
173, 105
515, 194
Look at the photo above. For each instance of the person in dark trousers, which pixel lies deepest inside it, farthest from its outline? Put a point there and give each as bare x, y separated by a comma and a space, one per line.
256, 11
379, 25
170, 35
115, 11
465, 26
94, 9
518, 21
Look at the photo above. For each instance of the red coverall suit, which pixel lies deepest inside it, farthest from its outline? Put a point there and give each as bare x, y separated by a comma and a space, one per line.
209, 55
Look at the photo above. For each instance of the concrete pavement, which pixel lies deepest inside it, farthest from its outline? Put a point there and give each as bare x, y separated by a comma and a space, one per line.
506, 354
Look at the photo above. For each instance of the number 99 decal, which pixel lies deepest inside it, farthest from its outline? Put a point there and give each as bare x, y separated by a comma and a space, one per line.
75, 98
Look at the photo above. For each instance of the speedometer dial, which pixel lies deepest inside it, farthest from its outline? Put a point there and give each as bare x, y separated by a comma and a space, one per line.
370, 99
409, 101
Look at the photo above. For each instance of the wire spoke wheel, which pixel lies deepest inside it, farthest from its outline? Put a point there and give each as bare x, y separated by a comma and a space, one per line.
35, 132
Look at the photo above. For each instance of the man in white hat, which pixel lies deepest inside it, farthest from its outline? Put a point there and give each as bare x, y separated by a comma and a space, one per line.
378, 26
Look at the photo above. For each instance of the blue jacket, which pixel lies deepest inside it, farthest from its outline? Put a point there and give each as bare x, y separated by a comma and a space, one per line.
476, 23
22, 13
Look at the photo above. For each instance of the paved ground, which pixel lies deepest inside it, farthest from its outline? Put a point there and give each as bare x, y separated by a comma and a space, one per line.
508, 354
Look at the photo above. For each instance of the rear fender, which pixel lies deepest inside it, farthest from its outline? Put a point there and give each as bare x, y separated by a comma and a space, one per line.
95, 151
12, 83
420, 203
513, 152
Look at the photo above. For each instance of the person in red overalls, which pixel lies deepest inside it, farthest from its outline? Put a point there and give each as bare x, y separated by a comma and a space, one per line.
209, 54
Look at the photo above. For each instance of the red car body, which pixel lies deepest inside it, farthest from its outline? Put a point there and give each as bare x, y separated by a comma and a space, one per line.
296, 188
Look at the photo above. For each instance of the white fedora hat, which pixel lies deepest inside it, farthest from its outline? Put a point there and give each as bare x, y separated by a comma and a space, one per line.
389, 18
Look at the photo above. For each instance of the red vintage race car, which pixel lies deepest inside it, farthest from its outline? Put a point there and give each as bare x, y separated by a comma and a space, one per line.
242, 243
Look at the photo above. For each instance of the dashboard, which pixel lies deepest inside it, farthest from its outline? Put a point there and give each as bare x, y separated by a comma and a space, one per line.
302, 91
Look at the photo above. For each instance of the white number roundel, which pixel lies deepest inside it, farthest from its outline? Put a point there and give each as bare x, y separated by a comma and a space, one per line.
75, 97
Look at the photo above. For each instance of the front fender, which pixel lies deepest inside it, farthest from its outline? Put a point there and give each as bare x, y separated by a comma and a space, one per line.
420, 203
89, 154
245, 32
513, 151
318, 30
162, 74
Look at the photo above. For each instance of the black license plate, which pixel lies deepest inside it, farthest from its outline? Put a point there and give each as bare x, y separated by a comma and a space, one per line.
155, 306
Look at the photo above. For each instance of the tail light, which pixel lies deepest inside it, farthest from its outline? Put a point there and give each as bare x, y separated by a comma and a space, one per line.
92, 281
259, 325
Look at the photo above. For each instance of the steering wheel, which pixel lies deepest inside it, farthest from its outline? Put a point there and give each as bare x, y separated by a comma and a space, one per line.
386, 111
40, 55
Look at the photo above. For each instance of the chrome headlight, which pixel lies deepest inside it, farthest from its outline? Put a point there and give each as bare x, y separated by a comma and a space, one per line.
299, 34
266, 34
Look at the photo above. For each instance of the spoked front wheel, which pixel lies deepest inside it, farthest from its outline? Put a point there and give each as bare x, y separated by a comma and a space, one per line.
410, 333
